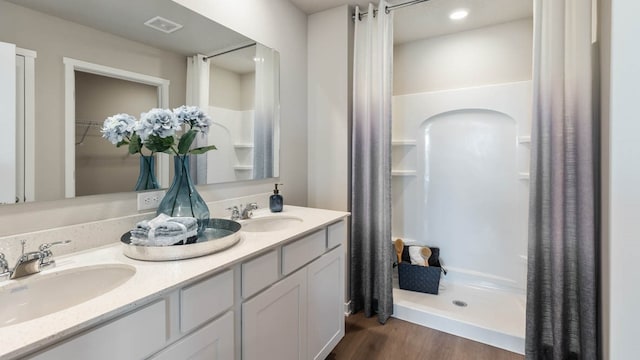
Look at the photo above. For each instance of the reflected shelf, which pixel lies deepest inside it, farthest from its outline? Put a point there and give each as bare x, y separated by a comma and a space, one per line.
403, 172
404, 142
243, 146
523, 176
243, 167
524, 139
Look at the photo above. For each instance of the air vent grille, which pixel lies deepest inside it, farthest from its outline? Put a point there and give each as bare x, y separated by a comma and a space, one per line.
161, 24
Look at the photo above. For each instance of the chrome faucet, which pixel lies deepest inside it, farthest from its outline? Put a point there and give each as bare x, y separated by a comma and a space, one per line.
34, 261
246, 212
242, 212
235, 212
4, 267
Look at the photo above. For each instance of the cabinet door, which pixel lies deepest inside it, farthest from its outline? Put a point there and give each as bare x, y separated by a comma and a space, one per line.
212, 342
326, 303
132, 337
274, 324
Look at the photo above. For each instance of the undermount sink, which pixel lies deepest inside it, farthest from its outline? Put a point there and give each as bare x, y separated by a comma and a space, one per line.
43, 294
269, 223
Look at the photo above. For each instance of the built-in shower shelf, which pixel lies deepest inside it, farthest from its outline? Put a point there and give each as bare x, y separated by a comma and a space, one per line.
524, 139
523, 176
243, 146
403, 143
403, 173
243, 167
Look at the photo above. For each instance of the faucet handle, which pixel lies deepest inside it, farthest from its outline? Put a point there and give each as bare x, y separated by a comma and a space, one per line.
235, 212
47, 246
46, 256
4, 265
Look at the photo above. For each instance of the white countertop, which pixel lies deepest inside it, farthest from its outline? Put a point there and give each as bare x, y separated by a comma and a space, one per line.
151, 281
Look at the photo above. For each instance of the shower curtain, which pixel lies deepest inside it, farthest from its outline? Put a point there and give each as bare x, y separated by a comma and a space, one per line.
198, 95
371, 251
562, 289
264, 120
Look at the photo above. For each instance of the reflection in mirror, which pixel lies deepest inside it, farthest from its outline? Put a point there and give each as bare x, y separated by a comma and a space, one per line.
113, 34
243, 103
100, 167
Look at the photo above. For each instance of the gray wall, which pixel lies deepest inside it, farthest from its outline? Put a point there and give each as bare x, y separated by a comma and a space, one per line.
490, 55
101, 167
231, 90
53, 39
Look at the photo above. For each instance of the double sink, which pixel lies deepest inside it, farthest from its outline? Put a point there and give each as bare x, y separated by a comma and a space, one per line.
54, 290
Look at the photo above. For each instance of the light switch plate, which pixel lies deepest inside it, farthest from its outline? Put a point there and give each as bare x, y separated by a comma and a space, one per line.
150, 199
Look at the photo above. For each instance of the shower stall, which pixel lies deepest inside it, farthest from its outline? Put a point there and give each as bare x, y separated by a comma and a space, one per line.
460, 163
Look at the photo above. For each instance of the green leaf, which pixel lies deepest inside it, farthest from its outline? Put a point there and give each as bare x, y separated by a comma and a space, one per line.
121, 143
158, 144
202, 150
186, 140
135, 144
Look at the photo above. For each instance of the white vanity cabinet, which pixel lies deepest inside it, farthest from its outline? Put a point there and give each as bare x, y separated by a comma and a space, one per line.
131, 337
171, 319
302, 315
213, 342
284, 301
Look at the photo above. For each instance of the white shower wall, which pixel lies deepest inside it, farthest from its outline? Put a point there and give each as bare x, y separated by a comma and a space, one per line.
461, 160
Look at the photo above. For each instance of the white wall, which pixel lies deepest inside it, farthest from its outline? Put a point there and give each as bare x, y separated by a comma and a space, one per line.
329, 110
490, 55
275, 23
621, 76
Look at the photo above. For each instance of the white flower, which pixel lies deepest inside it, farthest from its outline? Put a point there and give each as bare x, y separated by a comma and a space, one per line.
158, 122
117, 127
193, 116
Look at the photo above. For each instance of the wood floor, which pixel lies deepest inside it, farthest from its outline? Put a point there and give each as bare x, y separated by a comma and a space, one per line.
366, 339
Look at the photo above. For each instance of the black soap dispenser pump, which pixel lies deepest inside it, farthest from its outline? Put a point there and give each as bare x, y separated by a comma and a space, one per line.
275, 200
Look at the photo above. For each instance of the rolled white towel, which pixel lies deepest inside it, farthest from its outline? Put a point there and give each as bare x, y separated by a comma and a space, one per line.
416, 256
163, 230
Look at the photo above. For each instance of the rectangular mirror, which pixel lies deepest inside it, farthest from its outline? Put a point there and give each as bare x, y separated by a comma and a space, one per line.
77, 63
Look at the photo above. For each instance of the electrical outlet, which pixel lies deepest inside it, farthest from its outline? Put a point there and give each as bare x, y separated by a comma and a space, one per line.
149, 199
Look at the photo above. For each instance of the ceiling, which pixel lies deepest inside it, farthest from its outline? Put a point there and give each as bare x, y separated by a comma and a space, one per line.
110, 16
431, 18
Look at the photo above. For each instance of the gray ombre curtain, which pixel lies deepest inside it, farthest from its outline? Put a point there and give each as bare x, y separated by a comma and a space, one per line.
198, 95
265, 112
371, 249
562, 289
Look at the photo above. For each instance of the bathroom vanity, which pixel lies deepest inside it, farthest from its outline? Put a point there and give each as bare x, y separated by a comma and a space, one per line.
277, 294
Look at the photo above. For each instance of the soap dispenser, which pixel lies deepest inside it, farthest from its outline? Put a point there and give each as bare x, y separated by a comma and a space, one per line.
275, 200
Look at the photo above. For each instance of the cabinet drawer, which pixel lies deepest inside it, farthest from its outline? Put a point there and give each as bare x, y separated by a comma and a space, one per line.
259, 273
206, 299
300, 252
214, 341
133, 336
336, 234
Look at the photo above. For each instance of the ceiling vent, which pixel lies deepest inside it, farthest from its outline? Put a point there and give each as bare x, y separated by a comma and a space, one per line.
161, 24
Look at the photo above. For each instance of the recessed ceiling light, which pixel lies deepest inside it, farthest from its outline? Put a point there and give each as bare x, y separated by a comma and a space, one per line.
458, 15
161, 24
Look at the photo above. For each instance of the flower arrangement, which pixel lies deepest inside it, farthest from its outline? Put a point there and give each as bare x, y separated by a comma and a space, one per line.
157, 130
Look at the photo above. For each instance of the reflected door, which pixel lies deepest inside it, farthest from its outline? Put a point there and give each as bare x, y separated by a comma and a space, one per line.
8, 123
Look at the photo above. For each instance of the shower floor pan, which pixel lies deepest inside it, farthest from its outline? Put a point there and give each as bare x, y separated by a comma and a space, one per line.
493, 317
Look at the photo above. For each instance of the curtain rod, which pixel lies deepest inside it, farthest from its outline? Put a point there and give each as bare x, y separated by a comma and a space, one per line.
228, 51
387, 9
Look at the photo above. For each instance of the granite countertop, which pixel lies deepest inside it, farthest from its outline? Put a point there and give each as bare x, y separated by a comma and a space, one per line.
151, 281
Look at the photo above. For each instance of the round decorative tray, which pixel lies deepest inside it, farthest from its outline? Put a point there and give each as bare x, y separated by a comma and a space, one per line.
219, 234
